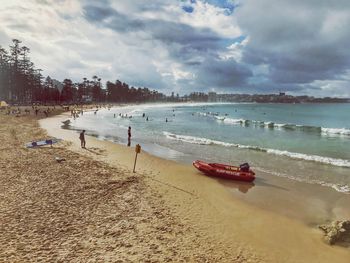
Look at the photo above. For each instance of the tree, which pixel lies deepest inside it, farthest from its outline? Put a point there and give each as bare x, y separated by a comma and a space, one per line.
96, 89
4, 74
67, 91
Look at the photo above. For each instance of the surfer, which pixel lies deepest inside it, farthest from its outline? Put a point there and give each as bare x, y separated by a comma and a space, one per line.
82, 139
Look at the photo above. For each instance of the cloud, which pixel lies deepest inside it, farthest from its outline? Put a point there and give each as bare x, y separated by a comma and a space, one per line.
108, 17
216, 73
189, 48
190, 45
300, 41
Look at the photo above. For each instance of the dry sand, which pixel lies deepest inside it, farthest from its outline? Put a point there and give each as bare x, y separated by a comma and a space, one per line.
92, 208
84, 210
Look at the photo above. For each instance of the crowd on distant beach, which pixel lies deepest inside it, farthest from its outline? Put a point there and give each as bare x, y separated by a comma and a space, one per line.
75, 111
47, 110
25, 110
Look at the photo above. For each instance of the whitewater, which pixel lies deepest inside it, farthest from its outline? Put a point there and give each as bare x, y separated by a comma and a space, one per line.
306, 142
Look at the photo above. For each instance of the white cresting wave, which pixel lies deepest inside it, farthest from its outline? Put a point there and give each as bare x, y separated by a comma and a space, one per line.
285, 126
336, 131
293, 155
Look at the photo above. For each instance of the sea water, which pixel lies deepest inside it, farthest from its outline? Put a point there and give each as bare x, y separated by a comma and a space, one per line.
303, 142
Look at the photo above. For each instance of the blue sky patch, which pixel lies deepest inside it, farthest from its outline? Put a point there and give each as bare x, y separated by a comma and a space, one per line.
226, 4
188, 9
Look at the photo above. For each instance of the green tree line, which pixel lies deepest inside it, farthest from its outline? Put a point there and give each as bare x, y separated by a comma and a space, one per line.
22, 83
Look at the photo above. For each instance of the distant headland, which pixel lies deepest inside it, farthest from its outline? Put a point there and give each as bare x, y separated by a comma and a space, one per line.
262, 98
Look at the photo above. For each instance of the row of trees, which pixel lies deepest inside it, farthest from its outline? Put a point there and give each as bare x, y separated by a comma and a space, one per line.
21, 82
121, 92
19, 79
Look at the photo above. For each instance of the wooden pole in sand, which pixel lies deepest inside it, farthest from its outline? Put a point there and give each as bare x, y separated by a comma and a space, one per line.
137, 150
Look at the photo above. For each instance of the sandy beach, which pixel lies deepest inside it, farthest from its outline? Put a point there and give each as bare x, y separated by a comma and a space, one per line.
92, 208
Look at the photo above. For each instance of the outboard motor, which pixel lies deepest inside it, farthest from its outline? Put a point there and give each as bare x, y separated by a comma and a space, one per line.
244, 167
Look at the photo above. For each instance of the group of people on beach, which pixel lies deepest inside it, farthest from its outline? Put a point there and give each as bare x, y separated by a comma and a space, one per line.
82, 134
83, 141
75, 113
27, 111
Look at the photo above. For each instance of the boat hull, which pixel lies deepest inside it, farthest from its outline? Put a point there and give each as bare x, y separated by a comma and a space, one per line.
224, 171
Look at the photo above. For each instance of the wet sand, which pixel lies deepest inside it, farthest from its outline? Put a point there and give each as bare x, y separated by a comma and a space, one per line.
233, 221
309, 203
86, 210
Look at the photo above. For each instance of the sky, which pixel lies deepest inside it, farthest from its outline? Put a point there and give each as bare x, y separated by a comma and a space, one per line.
301, 47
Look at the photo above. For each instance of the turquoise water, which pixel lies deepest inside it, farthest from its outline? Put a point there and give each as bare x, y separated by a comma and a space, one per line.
304, 142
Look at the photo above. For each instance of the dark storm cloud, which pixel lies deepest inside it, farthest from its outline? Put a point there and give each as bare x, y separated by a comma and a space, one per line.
171, 32
300, 41
165, 31
303, 65
108, 17
182, 41
196, 48
224, 45
222, 73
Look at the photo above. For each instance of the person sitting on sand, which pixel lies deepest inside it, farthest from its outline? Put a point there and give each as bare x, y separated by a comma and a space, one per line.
82, 139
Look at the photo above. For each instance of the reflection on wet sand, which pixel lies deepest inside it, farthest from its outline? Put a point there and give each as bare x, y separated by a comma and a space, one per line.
243, 187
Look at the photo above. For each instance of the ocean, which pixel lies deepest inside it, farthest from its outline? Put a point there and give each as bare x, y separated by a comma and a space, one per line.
304, 142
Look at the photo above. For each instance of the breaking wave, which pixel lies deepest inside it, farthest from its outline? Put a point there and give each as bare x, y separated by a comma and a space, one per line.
293, 155
279, 126
335, 131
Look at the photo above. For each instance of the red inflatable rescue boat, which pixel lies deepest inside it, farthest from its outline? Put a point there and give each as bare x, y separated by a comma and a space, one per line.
240, 173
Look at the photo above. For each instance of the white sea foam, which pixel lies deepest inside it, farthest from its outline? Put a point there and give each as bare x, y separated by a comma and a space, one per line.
196, 140
293, 155
315, 158
287, 126
269, 124
336, 131
279, 125
234, 121
220, 118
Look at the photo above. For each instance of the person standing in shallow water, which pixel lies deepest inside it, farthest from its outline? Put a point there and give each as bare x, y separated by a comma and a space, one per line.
82, 139
129, 136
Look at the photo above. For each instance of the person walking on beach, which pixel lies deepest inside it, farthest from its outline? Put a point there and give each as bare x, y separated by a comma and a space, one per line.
129, 136
82, 139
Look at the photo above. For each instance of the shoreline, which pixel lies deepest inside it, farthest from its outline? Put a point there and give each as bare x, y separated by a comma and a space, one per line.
211, 206
82, 209
315, 203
